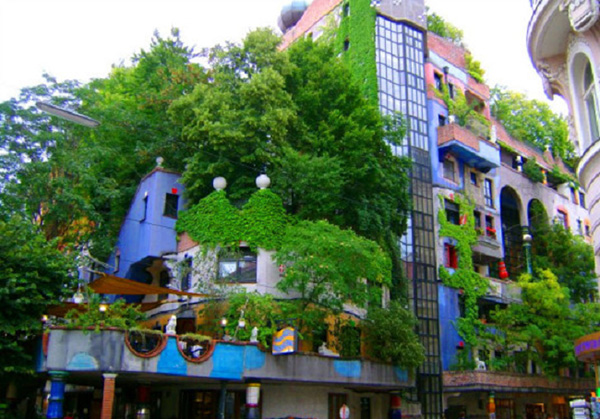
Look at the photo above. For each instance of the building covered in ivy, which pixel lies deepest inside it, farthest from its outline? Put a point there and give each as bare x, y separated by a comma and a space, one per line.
231, 296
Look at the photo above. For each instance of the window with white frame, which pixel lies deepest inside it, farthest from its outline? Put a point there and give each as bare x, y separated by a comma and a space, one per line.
450, 170
590, 102
488, 193
238, 266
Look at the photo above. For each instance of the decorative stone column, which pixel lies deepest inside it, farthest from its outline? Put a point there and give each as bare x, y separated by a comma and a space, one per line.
252, 399
57, 394
108, 395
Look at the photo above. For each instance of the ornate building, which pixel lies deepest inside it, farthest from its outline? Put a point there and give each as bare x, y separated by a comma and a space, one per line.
564, 45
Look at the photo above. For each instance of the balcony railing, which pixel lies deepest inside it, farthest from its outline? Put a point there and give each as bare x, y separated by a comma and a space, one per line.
514, 382
469, 146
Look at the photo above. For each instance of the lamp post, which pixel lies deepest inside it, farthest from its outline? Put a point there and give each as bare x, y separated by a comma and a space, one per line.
67, 114
527, 246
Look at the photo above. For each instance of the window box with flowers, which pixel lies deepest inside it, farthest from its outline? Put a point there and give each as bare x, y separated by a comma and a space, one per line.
490, 232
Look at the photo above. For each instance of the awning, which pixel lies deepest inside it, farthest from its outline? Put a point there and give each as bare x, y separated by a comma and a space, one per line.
110, 284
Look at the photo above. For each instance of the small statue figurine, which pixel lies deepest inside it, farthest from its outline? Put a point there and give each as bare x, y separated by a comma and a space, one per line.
254, 335
324, 350
171, 325
480, 365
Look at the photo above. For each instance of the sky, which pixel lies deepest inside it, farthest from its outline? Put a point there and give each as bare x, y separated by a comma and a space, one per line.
82, 39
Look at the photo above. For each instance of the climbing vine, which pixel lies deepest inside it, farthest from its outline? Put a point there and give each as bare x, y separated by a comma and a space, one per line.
214, 221
472, 285
356, 33
264, 220
533, 170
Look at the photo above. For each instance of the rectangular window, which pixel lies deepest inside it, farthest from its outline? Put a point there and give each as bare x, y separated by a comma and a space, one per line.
450, 256
473, 178
449, 170
441, 120
437, 77
186, 278
561, 218
365, 408
588, 231
238, 267
573, 196
144, 207
490, 230
488, 193
171, 204
452, 212
580, 227
335, 402
477, 217
582, 199
451, 90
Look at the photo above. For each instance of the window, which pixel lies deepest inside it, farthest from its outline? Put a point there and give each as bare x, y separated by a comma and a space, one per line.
442, 120
335, 403
573, 196
452, 212
449, 170
437, 78
490, 230
144, 207
171, 204
450, 256
580, 227
591, 102
117, 261
238, 267
588, 230
477, 217
473, 178
346, 9
346, 44
562, 218
582, 199
365, 408
488, 193
451, 90
186, 277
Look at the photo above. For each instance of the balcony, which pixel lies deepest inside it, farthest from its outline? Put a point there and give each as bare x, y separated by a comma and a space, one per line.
503, 291
86, 355
514, 383
467, 146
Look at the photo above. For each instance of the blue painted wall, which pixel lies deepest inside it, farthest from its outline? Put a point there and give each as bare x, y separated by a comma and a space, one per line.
449, 312
153, 235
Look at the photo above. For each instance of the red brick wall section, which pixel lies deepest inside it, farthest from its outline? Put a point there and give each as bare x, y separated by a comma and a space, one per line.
455, 132
108, 396
185, 242
457, 379
315, 12
454, 54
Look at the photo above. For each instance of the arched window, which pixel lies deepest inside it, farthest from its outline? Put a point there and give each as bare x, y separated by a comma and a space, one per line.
591, 103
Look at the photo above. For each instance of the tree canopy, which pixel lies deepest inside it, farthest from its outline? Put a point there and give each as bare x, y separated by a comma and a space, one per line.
33, 274
294, 114
532, 121
545, 325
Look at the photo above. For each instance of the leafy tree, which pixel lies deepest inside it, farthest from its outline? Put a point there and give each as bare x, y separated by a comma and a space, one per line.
439, 26
569, 257
390, 336
532, 121
295, 114
75, 182
545, 324
33, 275
329, 266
